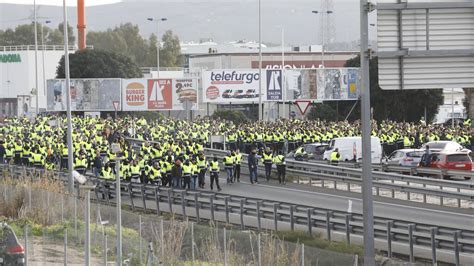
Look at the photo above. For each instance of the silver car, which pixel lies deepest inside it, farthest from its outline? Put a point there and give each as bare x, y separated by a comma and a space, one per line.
405, 157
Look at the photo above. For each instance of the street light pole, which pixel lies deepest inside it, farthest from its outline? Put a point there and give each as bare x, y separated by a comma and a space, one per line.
367, 197
42, 52
323, 35
36, 57
157, 43
260, 104
68, 102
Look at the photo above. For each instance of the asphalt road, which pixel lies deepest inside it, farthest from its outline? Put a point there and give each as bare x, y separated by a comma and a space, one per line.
462, 219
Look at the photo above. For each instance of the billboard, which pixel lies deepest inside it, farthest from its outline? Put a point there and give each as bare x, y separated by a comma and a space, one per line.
274, 85
425, 44
231, 86
158, 94
322, 84
86, 94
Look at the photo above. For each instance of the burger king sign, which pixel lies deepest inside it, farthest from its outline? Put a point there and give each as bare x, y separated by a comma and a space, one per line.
134, 94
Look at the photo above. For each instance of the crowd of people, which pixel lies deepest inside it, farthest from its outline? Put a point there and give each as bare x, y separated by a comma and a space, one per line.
170, 152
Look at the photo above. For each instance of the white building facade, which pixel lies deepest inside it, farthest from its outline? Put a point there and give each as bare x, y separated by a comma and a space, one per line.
18, 77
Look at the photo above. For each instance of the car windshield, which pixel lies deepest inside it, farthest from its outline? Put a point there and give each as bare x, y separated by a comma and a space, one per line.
437, 145
415, 154
458, 158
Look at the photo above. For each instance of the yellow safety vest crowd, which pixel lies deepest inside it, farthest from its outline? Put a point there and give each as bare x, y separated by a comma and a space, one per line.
156, 151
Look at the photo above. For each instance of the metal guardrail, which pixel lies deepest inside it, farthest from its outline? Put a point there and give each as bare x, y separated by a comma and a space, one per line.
310, 172
203, 205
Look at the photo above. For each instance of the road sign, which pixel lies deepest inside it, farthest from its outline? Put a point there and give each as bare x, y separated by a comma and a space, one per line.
116, 105
425, 44
303, 105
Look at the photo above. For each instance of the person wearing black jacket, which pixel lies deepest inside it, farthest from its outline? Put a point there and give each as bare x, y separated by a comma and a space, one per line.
2, 151
253, 165
97, 164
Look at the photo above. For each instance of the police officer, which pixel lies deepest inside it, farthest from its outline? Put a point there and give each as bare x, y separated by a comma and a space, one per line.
215, 170
238, 161
229, 166
267, 159
335, 157
279, 160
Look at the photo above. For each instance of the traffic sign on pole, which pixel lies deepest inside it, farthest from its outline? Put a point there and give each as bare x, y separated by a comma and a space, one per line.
116, 105
303, 105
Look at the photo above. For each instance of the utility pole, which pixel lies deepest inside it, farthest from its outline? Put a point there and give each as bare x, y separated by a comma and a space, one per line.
367, 197
36, 57
260, 104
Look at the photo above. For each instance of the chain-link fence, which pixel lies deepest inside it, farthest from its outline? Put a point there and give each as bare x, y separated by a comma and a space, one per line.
51, 226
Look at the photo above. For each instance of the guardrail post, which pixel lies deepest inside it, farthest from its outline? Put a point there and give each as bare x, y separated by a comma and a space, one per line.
328, 224
349, 187
157, 200
183, 203
170, 200
322, 183
130, 193
410, 241
310, 221
389, 238
242, 226
292, 218
393, 190
433, 231
196, 205
335, 185
259, 222
144, 196
211, 201
26, 244
226, 203
348, 229
459, 200
456, 247
424, 194
275, 215
408, 192
441, 198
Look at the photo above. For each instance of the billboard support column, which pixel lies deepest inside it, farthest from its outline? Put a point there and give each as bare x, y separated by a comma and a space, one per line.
367, 197
68, 103
260, 104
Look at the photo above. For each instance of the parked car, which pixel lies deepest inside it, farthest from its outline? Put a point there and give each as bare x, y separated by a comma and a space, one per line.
445, 146
227, 94
238, 94
250, 93
350, 147
448, 161
11, 251
405, 157
315, 151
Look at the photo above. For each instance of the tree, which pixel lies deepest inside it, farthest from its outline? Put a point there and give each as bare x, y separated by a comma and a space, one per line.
170, 54
323, 112
237, 117
25, 35
99, 64
405, 105
126, 39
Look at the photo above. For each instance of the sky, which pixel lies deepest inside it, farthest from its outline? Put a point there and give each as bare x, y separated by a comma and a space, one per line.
60, 2
219, 20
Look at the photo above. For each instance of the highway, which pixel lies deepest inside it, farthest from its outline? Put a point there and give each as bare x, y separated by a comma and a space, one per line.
339, 200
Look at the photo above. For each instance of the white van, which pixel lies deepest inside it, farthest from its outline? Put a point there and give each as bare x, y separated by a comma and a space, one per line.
350, 146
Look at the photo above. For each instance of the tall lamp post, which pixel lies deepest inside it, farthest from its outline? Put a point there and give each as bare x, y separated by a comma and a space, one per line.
323, 41
36, 56
42, 51
157, 20
260, 104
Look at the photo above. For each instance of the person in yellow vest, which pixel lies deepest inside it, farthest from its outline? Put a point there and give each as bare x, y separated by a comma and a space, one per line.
80, 164
37, 159
229, 166
215, 170
9, 152
107, 174
195, 173
154, 174
280, 163
202, 165
237, 163
335, 157
267, 159
187, 173
134, 171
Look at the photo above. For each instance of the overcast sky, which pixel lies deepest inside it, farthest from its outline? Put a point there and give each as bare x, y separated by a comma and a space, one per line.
220, 20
